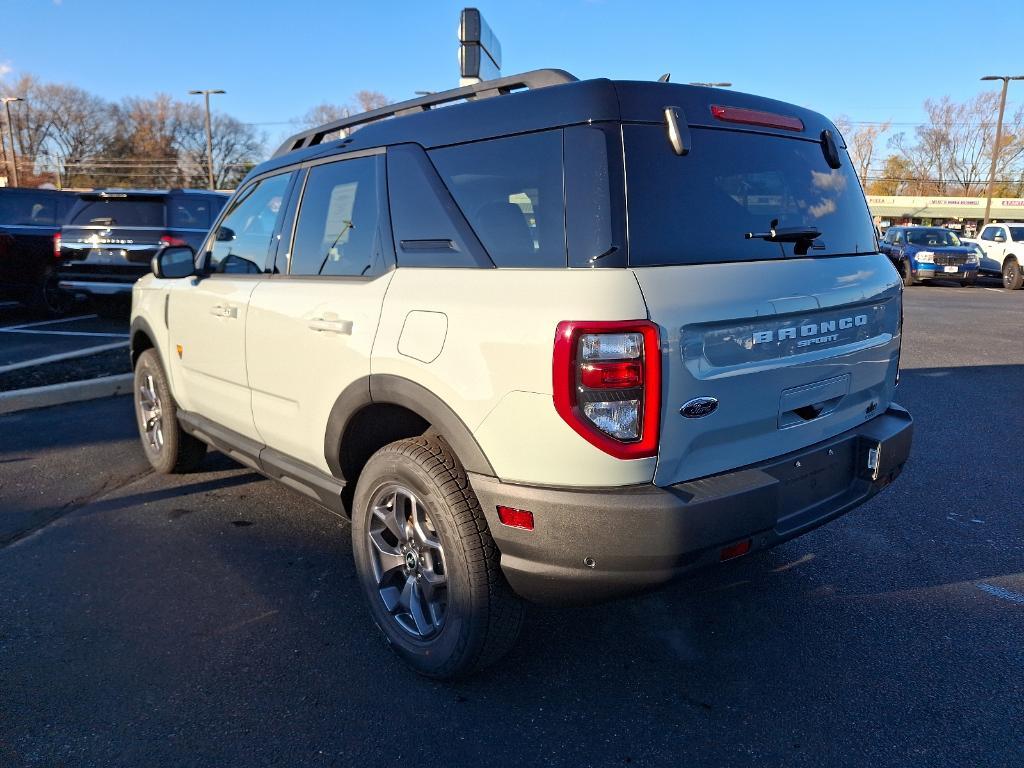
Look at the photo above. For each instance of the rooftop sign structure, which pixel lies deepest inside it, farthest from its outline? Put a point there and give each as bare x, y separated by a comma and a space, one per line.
479, 49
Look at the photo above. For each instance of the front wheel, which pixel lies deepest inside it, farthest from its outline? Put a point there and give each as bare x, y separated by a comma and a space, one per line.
907, 272
427, 563
1013, 278
168, 447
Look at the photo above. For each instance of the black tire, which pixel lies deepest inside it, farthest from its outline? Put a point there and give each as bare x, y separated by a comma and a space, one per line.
908, 275
172, 450
481, 616
1013, 278
967, 283
49, 300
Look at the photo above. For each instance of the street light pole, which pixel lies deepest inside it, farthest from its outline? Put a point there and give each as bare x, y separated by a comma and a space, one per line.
209, 133
999, 138
10, 136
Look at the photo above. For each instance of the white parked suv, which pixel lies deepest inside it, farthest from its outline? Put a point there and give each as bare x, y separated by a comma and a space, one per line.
1004, 245
446, 327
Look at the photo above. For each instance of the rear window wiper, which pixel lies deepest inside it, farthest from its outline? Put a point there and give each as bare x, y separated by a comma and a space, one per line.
804, 237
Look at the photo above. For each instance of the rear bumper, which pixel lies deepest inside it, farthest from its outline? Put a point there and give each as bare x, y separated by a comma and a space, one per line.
595, 544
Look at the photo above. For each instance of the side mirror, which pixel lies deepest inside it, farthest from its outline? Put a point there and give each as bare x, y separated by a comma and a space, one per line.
174, 262
998, 239
225, 235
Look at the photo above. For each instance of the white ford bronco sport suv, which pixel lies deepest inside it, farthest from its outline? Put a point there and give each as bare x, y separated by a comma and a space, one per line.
562, 341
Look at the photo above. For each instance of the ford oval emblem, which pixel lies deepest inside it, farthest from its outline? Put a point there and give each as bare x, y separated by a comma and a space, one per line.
699, 407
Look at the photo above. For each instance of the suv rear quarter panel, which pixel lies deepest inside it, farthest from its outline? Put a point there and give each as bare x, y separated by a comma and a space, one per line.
494, 365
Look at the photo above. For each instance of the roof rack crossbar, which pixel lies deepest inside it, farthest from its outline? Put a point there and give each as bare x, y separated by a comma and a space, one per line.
538, 78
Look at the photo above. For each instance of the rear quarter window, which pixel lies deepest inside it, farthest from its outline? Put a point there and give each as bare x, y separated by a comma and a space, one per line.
192, 211
696, 208
511, 193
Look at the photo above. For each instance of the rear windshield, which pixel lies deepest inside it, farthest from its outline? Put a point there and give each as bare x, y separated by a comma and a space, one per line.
697, 208
118, 212
28, 210
937, 237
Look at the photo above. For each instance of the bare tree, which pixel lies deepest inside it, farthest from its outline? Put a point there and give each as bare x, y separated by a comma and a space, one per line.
861, 143
371, 100
321, 114
950, 153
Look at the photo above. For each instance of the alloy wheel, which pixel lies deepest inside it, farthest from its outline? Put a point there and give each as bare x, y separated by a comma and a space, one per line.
151, 413
408, 562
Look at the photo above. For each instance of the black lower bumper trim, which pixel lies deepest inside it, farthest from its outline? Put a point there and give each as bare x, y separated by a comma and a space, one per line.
594, 544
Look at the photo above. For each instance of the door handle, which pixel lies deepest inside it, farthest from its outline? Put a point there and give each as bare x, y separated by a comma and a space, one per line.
221, 311
322, 325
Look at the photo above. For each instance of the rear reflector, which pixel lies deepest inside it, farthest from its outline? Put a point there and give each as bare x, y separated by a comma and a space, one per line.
515, 518
735, 550
755, 117
621, 375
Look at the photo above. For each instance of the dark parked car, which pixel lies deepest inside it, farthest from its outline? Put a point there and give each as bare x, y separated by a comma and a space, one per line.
29, 219
925, 253
110, 236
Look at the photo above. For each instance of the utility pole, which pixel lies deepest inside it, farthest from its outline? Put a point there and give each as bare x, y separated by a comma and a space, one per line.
209, 133
12, 157
999, 139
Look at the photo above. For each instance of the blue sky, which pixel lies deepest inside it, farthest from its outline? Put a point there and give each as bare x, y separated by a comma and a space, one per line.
869, 60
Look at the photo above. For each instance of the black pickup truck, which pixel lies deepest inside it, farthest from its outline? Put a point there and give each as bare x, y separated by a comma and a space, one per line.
110, 236
29, 220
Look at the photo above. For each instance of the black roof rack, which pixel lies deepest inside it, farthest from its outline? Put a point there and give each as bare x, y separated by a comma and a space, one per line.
538, 78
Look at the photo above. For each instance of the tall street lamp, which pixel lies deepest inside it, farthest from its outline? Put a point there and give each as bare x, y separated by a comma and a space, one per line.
10, 135
209, 132
999, 138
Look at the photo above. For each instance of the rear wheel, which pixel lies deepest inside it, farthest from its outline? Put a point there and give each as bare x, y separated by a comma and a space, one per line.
1013, 278
427, 562
907, 272
168, 448
50, 299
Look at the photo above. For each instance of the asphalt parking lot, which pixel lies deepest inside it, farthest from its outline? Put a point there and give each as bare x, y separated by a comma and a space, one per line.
27, 341
215, 618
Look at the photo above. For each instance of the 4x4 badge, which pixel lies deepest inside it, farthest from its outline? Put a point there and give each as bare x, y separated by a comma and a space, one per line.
699, 407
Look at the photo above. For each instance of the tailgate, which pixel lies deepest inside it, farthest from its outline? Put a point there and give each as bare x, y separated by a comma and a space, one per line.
795, 351
110, 246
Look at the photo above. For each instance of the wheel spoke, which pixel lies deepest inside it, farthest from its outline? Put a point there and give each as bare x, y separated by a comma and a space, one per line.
422, 533
388, 559
431, 583
392, 516
418, 609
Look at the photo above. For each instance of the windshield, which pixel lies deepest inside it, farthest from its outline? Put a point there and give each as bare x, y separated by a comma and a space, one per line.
118, 213
698, 208
935, 238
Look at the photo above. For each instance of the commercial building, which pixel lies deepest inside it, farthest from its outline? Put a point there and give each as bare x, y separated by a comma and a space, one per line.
964, 214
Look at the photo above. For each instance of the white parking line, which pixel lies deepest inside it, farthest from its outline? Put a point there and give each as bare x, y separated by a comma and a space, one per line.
63, 333
62, 356
997, 290
4, 304
1005, 594
47, 322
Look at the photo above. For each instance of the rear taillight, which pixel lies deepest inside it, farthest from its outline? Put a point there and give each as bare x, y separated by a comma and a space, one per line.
56, 245
170, 241
607, 384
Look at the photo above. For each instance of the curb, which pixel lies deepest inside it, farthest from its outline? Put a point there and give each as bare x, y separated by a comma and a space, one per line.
68, 392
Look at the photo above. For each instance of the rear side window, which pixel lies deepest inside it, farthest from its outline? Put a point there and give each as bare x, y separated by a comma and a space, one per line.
28, 210
511, 193
192, 211
242, 242
697, 208
118, 212
338, 230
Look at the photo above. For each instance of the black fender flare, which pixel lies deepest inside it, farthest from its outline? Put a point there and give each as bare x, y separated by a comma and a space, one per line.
396, 390
139, 324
